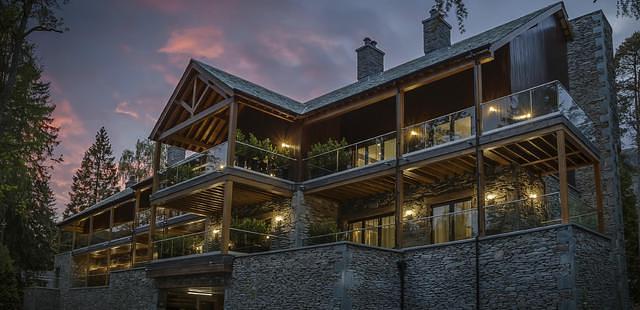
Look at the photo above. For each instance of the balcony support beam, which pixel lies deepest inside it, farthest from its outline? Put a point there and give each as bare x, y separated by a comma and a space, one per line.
226, 217
399, 184
599, 201
157, 152
562, 174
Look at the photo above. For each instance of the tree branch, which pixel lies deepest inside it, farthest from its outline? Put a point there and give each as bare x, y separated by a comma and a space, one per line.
41, 28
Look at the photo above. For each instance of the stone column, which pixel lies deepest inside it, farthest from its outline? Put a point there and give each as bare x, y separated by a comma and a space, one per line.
591, 84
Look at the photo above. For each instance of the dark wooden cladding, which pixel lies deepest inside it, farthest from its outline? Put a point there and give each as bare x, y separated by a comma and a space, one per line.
441, 97
495, 76
538, 55
358, 125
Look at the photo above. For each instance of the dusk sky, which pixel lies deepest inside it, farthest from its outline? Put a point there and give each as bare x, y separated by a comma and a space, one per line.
119, 62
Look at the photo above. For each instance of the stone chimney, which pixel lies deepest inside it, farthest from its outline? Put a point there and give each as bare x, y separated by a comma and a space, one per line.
437, 32
174, 154
370, 59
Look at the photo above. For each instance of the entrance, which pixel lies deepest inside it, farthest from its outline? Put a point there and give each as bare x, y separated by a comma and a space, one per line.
195, 298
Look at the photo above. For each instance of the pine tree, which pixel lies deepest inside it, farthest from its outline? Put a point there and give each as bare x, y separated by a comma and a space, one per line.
97, 177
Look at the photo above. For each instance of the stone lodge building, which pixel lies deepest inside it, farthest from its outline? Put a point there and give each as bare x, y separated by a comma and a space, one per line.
482, 175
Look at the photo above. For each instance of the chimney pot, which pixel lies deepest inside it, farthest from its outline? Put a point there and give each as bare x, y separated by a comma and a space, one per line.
370, 59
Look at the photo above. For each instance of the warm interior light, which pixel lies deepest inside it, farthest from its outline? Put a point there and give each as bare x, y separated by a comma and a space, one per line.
285, 145
533, 196
491, 196
221, 166
409, 213
413, 133
492, 109
521, 117
279, 219
199, 293
216, 231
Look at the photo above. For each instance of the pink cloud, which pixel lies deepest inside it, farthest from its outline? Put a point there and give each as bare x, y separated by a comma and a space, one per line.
124, 108
167, 75
74, 141
198, 42
167, 6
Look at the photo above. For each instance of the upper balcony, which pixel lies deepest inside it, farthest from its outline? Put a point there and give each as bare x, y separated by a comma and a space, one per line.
528, 109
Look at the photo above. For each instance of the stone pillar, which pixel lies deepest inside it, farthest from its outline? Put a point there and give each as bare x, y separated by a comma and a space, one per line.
591, 84
300, 217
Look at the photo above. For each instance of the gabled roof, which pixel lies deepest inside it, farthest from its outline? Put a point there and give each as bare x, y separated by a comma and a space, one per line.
252, 89
491, 39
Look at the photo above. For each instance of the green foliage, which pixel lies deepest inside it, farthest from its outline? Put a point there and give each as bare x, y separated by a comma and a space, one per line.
262, 155
627, 64
631, 242
28, 138
248, 242
325, 158
318, 233
445, 6
97, 177
137, 164
9, 295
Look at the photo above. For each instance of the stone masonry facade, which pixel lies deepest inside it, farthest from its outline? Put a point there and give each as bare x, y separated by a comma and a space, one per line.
556, 267
591, 83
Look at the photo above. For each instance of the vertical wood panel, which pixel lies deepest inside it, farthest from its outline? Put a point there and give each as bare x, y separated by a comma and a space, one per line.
231, 132
399, 184
480, 178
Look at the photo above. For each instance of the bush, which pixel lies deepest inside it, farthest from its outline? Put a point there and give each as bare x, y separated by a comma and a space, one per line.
9, 295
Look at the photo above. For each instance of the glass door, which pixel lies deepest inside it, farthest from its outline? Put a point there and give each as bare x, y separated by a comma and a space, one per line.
453, 220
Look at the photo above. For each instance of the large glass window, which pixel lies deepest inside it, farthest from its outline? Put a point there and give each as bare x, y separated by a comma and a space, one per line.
377, 231
454, 220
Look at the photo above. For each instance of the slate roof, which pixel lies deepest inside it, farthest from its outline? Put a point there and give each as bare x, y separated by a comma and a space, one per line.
117, 197
484, 39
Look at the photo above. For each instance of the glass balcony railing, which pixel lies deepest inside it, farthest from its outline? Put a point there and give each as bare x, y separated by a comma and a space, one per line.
143, 217
245, 241
582, 212
538, 101
375, 235
264, 161
448, 128
211, 160
121, 230
452, 226
180, 246
355, 155
535, 211
100, 236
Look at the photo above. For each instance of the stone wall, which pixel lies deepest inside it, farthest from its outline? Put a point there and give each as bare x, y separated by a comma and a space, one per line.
591, 84
127, 289
333, 276
39, 298
557, 267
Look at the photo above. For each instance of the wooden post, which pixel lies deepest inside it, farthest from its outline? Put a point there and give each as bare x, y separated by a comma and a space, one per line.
399, 185
157, 153
73, 239
562, 172
599, 202
480, 193
226, 217
90, 230
232, 128
110, 223
480, 173
136, 210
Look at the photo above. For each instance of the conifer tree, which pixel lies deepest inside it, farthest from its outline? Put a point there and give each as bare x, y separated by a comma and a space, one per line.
97, 177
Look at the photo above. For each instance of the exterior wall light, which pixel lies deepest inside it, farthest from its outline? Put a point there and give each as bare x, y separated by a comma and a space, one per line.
279, 219
521, 117
409, 213
533, 196
493, 109
491, 196
286, 146
413, 133
216, 231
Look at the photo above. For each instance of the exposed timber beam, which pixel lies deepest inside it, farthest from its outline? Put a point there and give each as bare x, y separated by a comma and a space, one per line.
196, 118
